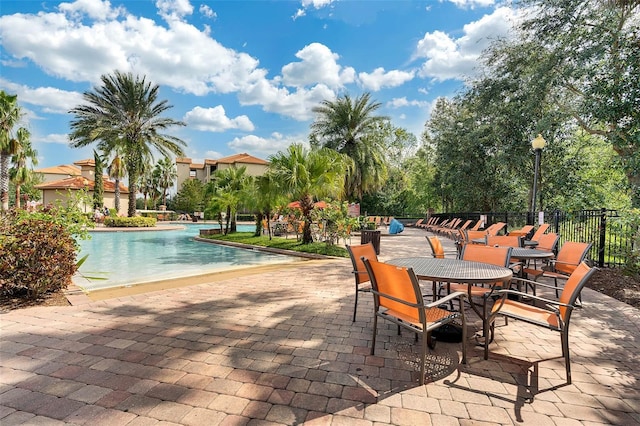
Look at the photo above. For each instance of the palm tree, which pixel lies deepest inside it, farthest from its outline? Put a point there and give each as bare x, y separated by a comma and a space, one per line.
10, 114
98, 179
126, 109
349, 127
231, 189
146, 185
20, 173
117, 172
264, 195
165, 173
304, 174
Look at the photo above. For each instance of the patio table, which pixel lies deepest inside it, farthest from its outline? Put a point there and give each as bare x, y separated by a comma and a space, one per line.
455, 270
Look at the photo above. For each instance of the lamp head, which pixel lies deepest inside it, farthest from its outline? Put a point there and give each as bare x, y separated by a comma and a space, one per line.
538, 142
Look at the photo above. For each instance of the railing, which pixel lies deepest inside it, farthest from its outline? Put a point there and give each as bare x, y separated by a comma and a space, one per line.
611, 244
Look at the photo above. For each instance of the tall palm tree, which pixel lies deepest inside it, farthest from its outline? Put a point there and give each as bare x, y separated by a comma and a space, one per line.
307, 174
98, 179
350, 127
146, 185
19, 172
264, 195
166, 174
126, 109
231, 189
10, 114
117, 172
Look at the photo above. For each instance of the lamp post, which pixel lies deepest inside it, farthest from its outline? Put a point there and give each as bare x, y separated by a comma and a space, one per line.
537, 144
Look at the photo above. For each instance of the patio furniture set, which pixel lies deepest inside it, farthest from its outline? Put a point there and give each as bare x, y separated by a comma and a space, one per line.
491, 277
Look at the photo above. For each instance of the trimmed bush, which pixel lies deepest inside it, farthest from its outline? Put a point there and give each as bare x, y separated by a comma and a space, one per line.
36, 256
130, 222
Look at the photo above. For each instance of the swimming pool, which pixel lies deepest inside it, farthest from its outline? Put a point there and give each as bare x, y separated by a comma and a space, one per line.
135, 257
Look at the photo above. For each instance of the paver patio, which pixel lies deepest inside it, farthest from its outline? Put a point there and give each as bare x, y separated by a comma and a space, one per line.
280, 348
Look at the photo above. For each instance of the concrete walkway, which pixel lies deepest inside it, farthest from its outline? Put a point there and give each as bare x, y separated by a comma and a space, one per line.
280, 348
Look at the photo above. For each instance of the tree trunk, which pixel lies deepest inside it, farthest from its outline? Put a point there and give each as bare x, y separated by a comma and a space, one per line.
132, 196
17, 196
4, 181
226, 230
116, 197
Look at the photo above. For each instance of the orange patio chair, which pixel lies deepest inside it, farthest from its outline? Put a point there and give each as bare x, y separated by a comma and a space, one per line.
505, 240
539, 232
495, 228
356, 253
397, 298
555, 316
522, 232
499, 256
570, 255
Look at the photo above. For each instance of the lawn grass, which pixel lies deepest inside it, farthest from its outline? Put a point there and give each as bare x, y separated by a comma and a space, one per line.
282, 243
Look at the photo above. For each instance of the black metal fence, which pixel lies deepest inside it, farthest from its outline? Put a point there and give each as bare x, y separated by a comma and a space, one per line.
610, 238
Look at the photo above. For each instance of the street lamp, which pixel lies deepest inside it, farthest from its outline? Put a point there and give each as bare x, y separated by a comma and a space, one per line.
537, 144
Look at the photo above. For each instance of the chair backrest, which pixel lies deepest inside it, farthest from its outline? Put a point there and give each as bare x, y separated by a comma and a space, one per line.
495, 228
476, 226
548, 242
499, 256
399, 283
356, 253
523, 232
572, 288
541, 230
505, 240
466, 224
436, 246
570, 255
473, 235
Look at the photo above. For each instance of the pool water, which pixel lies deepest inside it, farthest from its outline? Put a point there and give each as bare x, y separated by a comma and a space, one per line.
134, 257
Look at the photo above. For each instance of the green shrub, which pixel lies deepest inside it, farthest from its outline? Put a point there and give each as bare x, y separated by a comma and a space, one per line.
129, 222
36, 256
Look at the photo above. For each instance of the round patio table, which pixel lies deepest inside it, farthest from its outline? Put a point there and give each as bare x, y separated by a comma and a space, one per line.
530, 254
459, 271
453, 270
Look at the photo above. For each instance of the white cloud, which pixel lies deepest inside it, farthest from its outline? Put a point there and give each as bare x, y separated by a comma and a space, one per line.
471, 4
448, 58
174, 9
51, 100
178, 55
215, 120
57, 138
403, 102
379, 79
318, 65
207, 11
264, 147
318, 4
277, 99
95, 9
299, 13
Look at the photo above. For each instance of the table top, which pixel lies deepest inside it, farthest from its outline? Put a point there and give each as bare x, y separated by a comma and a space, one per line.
527, 253
461, 271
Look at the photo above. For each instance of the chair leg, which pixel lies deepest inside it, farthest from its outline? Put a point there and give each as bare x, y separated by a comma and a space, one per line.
564, 337
373, 340
355, 306
423, 358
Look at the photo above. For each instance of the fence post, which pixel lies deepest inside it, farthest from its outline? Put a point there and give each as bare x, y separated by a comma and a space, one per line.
556, 221
603, 236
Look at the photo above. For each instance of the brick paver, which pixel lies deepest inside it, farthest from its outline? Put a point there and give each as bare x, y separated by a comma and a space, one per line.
280, 348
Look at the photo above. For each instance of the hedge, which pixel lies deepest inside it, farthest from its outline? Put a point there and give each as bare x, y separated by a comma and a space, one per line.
129, 222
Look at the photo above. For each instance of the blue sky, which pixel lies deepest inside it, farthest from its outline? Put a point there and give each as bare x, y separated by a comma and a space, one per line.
243, 75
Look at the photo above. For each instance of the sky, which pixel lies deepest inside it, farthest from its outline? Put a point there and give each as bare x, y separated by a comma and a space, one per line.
243, 75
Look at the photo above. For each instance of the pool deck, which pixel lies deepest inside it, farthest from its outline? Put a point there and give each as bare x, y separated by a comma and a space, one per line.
278, 346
